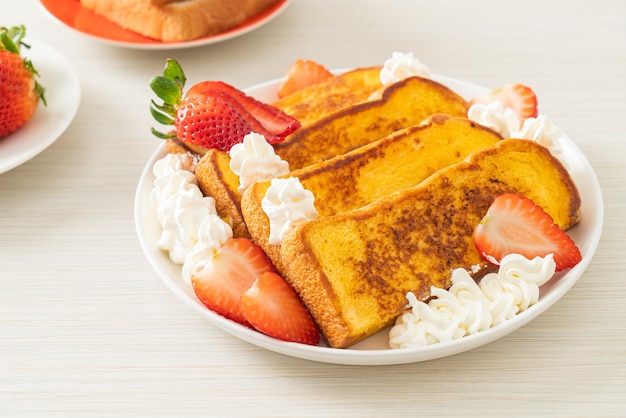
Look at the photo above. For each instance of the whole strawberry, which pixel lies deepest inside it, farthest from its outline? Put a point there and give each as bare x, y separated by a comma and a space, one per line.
213, 114
19, 90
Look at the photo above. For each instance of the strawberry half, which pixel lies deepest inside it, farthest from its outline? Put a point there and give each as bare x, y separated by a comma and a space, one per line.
276, 122
518, 97
213, 114
515, 225
272, 307
20, 92
232, 271
302, 74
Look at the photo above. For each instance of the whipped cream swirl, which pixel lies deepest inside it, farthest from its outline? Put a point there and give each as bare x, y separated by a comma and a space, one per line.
496, 117
544, 132
505, 121
179, 205
287, 204
212, 234
254, 159
468, 308
401, 66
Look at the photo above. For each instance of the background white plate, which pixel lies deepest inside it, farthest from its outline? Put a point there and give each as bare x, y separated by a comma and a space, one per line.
49, 122
375, 351
65, 12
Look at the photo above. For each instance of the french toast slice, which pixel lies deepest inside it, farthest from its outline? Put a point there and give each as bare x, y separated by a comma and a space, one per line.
405, 103
361, 176
354, 269
216, 179
312, 103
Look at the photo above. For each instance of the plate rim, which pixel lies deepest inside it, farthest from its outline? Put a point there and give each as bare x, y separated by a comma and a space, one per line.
67, 105
376, 357
251, 24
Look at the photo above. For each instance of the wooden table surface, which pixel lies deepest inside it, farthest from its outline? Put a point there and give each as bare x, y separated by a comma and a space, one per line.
88, 329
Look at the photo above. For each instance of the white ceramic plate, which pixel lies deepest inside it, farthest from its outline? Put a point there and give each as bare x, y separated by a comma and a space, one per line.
49, 122
72, 14
375, 351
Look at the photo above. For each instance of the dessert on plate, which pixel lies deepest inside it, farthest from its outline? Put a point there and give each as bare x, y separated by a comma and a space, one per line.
354, 269
392, 222
368, 173
177, 20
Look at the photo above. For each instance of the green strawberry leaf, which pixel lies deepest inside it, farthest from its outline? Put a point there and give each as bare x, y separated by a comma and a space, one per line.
162, 135
173, 71
164, 114
167, 90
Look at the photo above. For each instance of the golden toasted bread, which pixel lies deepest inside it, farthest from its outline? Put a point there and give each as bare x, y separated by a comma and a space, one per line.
177, 20
361, 176
354, 269
176, 146
312, 103
216, 179
405, 103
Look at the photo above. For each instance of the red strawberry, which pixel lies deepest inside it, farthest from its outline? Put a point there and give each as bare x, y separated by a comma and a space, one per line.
214, 114
274, 308
514, 224
518, 97
274, 120
232, 271
19, 91
302, 74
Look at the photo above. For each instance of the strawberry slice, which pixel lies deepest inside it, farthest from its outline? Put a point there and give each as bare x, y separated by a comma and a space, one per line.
213, 114
217, 120
518, 97
274, 120
274, 308
232, 271
302, 74
514, 224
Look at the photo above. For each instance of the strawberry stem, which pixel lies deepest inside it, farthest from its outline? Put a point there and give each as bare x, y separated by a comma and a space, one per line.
169, 88
11, 39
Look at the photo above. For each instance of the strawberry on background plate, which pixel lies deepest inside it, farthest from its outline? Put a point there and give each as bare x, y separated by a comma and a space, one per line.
213, 114
301, 74
515, 225
274, 308
518, 97
20, 92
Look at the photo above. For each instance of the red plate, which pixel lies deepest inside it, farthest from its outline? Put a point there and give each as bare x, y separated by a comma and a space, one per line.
70, 13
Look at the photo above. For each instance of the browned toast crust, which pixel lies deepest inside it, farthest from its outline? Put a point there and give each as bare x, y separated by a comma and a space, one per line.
217, 180
405, 103
312, 103
354, 269
361, 176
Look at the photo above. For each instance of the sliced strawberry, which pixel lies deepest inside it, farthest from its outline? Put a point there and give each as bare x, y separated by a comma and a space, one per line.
213, 114
302, 74
274, 308
232, 271
514, 224
518, 97
274, 120
216, 121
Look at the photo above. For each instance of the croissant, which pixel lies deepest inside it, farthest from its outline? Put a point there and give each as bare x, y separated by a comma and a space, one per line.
177, 20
